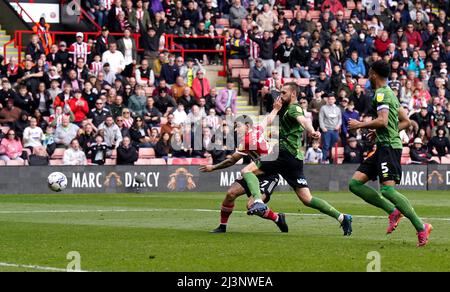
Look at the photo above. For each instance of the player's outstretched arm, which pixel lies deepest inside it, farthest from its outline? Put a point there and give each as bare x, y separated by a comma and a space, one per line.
235, 157
380, 122
404, 121
307, 125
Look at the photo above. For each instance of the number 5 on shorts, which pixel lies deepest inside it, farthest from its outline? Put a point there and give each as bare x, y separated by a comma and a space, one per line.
384, 168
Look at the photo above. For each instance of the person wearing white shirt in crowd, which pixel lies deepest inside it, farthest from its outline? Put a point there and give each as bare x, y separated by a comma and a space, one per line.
179, 115
74, 155
314, 154
33, 135
114, 58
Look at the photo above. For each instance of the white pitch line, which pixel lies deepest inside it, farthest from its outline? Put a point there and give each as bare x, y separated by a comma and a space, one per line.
35, 267
177, 209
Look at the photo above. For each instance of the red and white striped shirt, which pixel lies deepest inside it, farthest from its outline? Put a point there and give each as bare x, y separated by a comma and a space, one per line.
253, 47
96, 67
79, 51
271, 83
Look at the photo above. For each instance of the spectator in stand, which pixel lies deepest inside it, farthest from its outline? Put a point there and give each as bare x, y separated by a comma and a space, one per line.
314, 154
266, 18
163, 148
266, 45
127, 154
79, 49
227, 98
9, 114
39, 157
79, 107
11, 147
178, 88
237, 14
170, 71
349, 113
382, 43
14, 72
42, 30
315, 64
283, 56
355, 66
152, 116
127, 118
111, 133
258, 77
139, 17
145, 75
98, 114
353, 152
165, 103
439, 145
33, 135
180, 115
115, 59
201, 86
74, 155
140, 133
418, 153
86, 136
333, 5
137, 102
65, 133
187, 100
22, 123
330, 119
416, 63
98, 151
35, 48
413, 37
299, 58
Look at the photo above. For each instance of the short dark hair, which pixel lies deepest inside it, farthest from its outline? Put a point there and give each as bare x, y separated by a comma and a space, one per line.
244, 119
382, 68
294, 87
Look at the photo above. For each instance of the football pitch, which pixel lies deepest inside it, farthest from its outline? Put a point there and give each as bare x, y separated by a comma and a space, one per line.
170, 232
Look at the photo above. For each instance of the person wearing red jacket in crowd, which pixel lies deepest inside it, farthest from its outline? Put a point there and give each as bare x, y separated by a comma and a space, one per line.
79, 106
62, 98
201, 85
382, 43
414, 38
334, 5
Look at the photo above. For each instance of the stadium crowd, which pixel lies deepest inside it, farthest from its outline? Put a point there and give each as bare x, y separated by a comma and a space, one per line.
100, 98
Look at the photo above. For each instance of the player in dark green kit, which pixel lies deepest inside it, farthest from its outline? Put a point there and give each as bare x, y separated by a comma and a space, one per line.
385, 162
289, 162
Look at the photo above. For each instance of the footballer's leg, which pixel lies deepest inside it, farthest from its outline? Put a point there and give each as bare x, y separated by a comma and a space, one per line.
236, 190
357, 185
249, 173
390, 171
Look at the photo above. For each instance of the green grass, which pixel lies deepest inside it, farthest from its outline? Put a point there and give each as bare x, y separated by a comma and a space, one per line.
169, 232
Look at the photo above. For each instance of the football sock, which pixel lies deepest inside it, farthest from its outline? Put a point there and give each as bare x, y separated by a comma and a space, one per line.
324, 207
225, 212
403, 205
270, 215
253, 185
371, 196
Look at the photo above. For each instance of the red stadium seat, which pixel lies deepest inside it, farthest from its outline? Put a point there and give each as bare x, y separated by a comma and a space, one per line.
288, 14
59, 153
56, 162
153, 161
114, 154
303, 13
179, 161
445, 160
146, 153
302, 81
405, 160
199, 161
2, 163
245, 83
110, 161
15, 163
405, 151
244, 72
235, 73
235, 63
314, 14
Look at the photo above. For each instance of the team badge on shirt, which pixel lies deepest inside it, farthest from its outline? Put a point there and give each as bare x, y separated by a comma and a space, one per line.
380, 97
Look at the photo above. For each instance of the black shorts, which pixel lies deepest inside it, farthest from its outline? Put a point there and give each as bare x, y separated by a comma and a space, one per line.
267, 184
383, 164
289, 167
